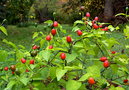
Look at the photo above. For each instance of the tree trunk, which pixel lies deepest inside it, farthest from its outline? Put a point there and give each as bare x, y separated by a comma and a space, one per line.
108, 10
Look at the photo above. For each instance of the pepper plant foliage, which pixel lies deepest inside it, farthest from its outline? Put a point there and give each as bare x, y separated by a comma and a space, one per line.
78, 60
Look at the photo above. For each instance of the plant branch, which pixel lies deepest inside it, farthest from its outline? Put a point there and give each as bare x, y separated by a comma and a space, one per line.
99, 48
80, 60
119, 77
70, 48
78, 40
56, 55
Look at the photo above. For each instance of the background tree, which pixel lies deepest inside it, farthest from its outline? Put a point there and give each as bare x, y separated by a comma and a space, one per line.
15, 11
106, 10
44, 9
2, 10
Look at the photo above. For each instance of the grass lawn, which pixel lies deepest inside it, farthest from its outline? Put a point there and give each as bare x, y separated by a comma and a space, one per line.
23, 36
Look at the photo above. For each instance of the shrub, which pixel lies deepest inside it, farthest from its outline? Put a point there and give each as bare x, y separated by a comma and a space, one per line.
67, 61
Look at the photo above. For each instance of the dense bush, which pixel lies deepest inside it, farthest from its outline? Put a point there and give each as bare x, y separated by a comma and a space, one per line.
83, 59
15, 11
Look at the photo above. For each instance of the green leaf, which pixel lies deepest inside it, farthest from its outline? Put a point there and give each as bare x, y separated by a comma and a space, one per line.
127, 16
3, 55
53, 72
62, 49
95, 70
86, 76
38, 39
52, 86
127, 46
71, 57
111, 28
3, 30
72, 68
4, 77
49, 22
117, 28
78, 22
38, 85
116, 88
33, 66
123, 60
73, 85
63, 31
102, 81
21, 46
10, 43
44, 73
19, 54
10, 85
59, 73
42, 42
126, 31
75, 29
35, 35
24, 80
90, 23
119, 14
83, 87
119, 88
45, 54
110, 42
114, 68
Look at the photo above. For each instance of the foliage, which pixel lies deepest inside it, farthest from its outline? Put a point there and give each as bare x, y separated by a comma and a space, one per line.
44, 9
15, 11
2, 28
71, 71
70, 10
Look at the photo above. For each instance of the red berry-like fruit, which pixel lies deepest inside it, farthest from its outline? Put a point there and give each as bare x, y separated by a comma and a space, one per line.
106, 64
91, 81
93, 22
68, 39
32, 61
55, 24
50, 47
62, 56
103, 29
27, 70
79, 32
12, 72
34, 47
96, 19
87, 14
125, 81
102, 59
100, 26
106, 28
48, 37
53, 32
95, 26
6, 68
23, 60
113, 52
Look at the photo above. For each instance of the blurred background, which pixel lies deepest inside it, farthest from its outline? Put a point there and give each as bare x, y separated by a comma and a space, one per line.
25, 12
24, 17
